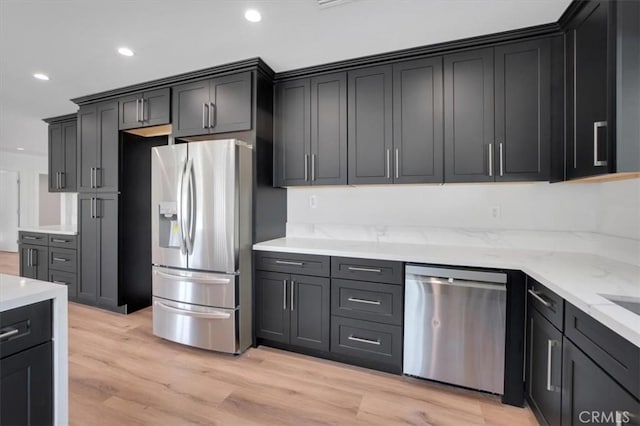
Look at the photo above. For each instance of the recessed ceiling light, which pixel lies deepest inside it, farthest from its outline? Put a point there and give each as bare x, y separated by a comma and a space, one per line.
20, 149
252, 15
41, 76
125, 51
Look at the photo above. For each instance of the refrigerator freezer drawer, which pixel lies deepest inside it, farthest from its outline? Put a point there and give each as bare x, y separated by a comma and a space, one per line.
200, 288
193, 325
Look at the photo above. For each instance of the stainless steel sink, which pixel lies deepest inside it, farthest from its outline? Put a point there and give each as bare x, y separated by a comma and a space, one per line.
629, 303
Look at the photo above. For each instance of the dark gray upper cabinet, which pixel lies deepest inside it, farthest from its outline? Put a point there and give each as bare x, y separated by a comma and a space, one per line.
523, 111
417, 121
590, 59
589, 390
469, 116
370, 111
98, 147
217, 105
329, 129
62, 156
292, 133
98, 272
544, 367
150, 108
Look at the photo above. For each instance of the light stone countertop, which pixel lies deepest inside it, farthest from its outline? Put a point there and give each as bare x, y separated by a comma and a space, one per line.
579, 278
18, 291
51, 229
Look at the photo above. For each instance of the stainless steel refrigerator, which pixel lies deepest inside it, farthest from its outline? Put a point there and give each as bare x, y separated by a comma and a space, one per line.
201, 243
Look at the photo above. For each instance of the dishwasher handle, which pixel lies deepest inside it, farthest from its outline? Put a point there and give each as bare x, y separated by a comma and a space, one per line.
460, 283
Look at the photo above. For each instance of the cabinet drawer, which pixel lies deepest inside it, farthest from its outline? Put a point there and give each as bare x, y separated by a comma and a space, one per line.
25, 327
549, 304
65, 278
367, 340
305, 264
613, 353
34, 238
382, 271
61, 259
63, 241
367, 301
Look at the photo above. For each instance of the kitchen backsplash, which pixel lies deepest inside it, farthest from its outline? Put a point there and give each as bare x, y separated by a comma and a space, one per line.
583, 217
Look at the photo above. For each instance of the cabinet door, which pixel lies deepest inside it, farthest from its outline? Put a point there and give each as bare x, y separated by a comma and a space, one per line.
156, 107
26, 270
107, 213
40, 262
106, 177
88, 256
189, 111
272, 306
523, 111
56, 157
418, 121
310, 311
468, 116
544, 367
67, 279
588, 392
370, 119
328, 161
26, 387
69, 138
230, 99
87, 147
589, 131
129, 112
292, 133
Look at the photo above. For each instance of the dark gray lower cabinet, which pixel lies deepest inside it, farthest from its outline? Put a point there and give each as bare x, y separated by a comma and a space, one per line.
34, 261
26, 387
98, 272
293, 309
544, 368
590, 395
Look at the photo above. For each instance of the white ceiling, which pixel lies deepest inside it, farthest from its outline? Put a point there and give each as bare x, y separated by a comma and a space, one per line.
75, 41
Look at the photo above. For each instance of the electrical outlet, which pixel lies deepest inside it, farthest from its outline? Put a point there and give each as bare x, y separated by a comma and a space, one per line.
495, 212
313, 201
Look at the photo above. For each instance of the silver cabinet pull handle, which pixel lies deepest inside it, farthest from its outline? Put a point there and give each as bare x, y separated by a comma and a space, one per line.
205, 116
362, 340
60, 282
596, 126
293, 286
540, 298
501, 159
58, 240
286, 262
137, 110
368, 302
388, 164
60, 259
306, 167
284, 295
28, 257
355, 268
29, 237
9, 333
313, 167
490, 159
550, 345
212, 115
91, 178
397, 163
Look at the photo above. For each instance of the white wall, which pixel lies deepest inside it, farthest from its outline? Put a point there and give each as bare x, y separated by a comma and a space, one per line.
611, 208
28, 168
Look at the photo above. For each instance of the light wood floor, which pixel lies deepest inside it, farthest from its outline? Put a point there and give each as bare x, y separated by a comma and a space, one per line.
119, 373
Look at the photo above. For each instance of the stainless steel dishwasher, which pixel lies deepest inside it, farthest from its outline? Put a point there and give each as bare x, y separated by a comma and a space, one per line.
454, 326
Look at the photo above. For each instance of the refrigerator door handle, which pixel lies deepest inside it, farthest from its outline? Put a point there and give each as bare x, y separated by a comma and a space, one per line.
180, 210
213, 314
191, 207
